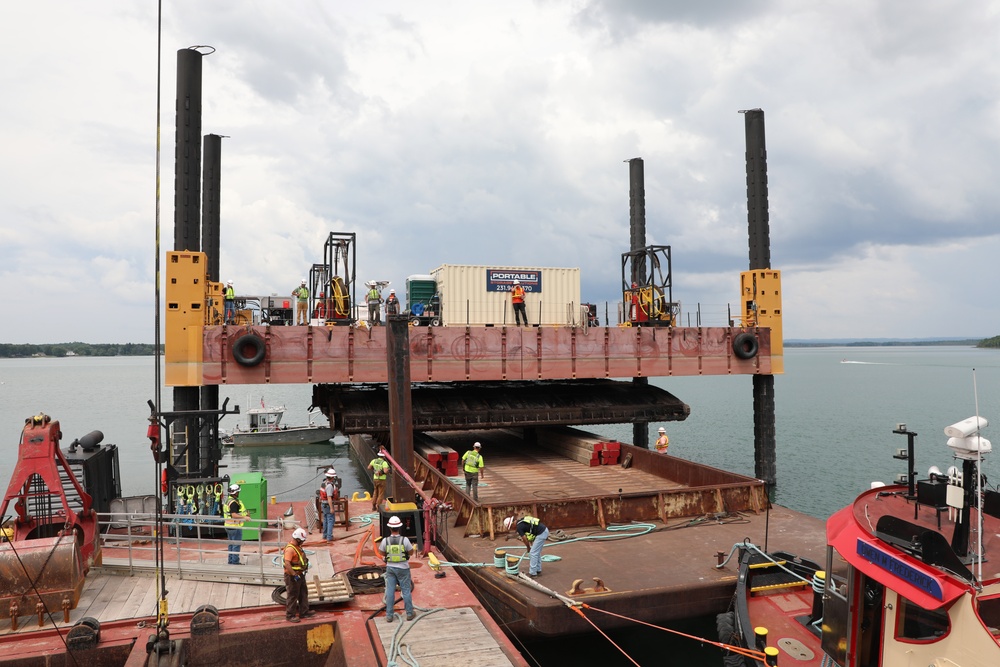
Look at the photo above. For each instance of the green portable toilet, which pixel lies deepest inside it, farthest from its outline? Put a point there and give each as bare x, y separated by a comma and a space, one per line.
253, 493
420, 289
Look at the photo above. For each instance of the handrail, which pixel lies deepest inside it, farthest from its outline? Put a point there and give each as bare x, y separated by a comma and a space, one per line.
135, 532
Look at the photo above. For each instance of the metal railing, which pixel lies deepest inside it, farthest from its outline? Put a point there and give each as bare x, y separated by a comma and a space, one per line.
195, 547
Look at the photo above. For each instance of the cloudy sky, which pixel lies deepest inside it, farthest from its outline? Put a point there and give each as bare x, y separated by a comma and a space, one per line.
495, 133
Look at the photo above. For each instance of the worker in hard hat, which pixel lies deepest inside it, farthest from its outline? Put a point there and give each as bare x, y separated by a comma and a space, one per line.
396, 550
296, 564
517, 300
374, 299
328, 493
229, 299
380, 468
234, 512
533, 533
472, 464
301, 294
663, 441
391, 304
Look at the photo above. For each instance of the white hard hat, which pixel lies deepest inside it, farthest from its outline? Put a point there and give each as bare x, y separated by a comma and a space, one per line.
381, 453
392, 291
229, 282
662, 430
394, 522
477, 445
331, 473
303, 281
300, 534
234, 488
508, 522
517, 282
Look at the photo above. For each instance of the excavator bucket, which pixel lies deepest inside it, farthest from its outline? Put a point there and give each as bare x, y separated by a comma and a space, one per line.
52, 537
46, 570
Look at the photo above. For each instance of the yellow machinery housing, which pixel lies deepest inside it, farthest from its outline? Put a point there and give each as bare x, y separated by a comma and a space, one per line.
760, 296
192, 302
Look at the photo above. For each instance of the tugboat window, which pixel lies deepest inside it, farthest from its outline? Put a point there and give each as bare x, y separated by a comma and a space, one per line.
989, 613
915, 623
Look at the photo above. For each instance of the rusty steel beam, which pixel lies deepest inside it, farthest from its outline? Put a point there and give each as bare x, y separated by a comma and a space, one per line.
464, 406
303, 354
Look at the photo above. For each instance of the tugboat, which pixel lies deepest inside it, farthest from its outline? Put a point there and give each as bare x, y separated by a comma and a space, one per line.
894, 589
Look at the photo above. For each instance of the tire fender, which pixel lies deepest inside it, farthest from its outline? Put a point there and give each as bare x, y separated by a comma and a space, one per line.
745, 345
249, 350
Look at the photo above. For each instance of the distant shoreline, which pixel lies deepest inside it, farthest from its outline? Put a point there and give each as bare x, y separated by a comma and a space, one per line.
968, 342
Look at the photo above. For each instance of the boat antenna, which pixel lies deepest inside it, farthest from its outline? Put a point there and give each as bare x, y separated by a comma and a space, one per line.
979, 484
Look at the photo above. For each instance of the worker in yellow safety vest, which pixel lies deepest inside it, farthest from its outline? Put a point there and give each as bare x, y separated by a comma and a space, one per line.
296, 564
234, 512
380, 468
396, 550
472, 462
229, 299
533, 533
663, 441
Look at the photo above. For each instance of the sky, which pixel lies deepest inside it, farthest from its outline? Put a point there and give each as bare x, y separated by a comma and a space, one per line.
458, 132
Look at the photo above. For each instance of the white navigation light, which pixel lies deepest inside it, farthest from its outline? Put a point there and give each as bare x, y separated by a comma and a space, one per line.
966, 427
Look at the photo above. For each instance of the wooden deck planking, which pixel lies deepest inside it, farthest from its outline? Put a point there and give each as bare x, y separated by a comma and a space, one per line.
445, 638
132, 607
99, 609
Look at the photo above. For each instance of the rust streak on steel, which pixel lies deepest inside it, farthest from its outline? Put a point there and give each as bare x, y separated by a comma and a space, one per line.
457, 354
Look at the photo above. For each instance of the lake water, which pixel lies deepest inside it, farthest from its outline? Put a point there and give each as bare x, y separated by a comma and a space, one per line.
835, 412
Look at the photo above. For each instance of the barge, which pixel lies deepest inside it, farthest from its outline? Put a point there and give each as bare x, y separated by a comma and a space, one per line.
670, 519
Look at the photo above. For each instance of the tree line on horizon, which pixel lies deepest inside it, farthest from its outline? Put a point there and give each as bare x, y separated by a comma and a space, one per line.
23, 350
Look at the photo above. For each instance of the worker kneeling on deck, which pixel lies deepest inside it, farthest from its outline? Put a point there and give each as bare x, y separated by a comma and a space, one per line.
533, 533
296, 565
396, 550
472, 462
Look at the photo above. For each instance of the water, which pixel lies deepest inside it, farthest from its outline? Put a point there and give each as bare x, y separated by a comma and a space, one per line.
834, 437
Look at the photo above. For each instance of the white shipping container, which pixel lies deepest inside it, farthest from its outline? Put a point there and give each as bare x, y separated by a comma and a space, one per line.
478, 295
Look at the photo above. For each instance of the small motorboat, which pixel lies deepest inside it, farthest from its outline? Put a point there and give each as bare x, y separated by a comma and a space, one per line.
894, 590
263, 427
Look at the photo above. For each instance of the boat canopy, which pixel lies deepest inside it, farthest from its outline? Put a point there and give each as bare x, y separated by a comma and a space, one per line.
917, 582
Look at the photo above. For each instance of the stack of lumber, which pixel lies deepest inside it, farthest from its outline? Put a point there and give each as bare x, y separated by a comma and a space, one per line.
441, 457
588, 450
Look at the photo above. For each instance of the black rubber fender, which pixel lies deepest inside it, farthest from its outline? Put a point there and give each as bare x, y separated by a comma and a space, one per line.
725, 625
745, 345
249, 350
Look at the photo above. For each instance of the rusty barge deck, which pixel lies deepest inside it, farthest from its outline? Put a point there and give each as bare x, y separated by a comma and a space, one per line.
693, 511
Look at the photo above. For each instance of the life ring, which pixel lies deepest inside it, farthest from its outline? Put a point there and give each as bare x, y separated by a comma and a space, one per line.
248, 350
745, 345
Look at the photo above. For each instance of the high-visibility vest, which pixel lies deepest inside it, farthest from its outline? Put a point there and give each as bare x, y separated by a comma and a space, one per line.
230, 294
300, 562
517, 294
379, 468
533, 523
395, 550
472, 460
230, 522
